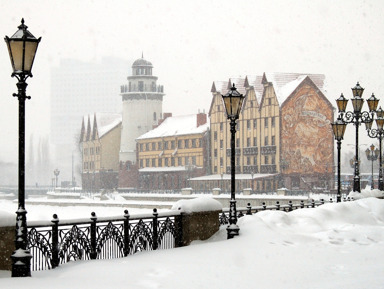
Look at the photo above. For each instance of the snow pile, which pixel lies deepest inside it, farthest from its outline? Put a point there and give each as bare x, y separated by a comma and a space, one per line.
366, 193
337, 245
7, 219
202, 204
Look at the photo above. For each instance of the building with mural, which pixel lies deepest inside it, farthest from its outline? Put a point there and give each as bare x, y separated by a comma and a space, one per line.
284, 137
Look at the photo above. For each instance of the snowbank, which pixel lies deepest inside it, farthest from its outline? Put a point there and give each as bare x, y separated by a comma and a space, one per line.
366, 193
7, 219
202, 204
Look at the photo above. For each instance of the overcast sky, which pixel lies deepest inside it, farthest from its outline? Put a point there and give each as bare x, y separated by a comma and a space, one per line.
191, 44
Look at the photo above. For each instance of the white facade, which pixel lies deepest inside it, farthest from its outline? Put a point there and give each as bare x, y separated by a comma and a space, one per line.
142, 107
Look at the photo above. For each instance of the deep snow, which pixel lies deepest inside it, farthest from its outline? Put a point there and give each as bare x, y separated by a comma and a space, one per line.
338, 245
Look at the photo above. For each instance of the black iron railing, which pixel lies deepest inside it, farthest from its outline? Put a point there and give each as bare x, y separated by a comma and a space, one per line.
249, 210
101, 238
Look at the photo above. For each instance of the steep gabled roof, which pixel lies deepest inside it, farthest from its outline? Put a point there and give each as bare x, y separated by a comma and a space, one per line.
102, 124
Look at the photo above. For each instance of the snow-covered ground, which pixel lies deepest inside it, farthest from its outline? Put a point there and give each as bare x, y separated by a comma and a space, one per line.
338, 245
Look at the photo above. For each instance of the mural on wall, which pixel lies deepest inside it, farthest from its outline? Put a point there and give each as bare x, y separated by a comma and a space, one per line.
307, 139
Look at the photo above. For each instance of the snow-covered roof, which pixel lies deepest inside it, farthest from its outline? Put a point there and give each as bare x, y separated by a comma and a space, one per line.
177, 125
163, 169
283, 83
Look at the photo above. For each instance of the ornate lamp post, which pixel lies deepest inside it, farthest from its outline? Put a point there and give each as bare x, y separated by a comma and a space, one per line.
233, 102
357, 117
338, 128
372, 155
22, 47
378, 133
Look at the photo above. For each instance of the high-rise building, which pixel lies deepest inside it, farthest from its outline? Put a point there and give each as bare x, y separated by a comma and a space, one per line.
80, 88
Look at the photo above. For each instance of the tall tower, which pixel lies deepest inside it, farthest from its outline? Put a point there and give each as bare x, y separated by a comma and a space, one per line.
142, 107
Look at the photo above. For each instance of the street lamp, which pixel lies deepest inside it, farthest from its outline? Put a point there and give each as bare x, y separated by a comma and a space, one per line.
56, 172
338, 128
379, 134
233, 102
357, 117
372, 155
22, 47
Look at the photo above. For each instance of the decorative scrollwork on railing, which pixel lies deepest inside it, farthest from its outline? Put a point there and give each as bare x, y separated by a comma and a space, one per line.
39, 245
223, 219
166, 228
110, 234
75, 245
141, 237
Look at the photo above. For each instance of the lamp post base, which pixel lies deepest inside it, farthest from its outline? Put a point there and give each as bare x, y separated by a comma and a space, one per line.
21, 263
232, 231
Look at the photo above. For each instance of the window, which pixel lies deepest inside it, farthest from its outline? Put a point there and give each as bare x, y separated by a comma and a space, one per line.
215, 169
147, 162
160, 163
221, 143
153, 146
141, 163
255, 141
159, 145
248, 142
273, 160
248, 161
254, 160
273, 121
193, 143
194, 160
269, 101
273, 140
248, 124
91, 151
186, 161
215, 135
179, 161
141, 147
266, 160
166, 162
153, 162
255, 123
173, 144
265, 122
186, 143
215, 153
179, 142
172, 162
221, 126
147, 146
221, 162
165, 145
266, 141
141, 86
97, 150
237, 142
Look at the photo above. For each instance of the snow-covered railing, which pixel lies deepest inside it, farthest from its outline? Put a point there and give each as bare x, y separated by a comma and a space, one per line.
249, 210
57, 242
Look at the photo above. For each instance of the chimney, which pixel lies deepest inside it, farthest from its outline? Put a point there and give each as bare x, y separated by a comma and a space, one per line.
201, 118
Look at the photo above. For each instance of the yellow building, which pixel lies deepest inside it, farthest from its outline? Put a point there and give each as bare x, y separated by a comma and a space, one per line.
173, 152
100, 145
283, 133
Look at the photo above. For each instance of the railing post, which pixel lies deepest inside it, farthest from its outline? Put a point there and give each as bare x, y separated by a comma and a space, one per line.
154, 228
264, 206
322, 201
277, 206
330, 200
93, 253
126, 233
249, 209
179, 230
55, 242
302, 204
290, 206
313, 203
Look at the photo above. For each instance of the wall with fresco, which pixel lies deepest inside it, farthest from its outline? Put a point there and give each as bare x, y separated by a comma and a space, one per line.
306, 134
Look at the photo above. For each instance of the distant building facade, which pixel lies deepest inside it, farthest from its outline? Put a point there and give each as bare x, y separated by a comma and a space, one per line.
174, 152
79, 88
283, 137
142, 101
100, 146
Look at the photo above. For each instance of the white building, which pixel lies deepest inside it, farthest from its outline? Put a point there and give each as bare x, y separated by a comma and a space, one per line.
142, 107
